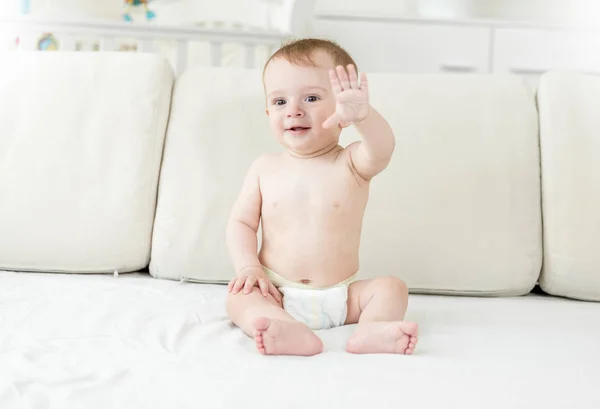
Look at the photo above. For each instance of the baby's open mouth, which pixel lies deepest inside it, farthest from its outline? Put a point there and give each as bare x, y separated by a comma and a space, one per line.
298, 128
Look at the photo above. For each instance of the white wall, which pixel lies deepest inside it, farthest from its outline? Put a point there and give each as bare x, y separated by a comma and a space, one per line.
185, 11
168, 11
553, 11
393, 7
77, 8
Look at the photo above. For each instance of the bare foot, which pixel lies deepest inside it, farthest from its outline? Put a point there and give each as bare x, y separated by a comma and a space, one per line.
397, 337
274, 337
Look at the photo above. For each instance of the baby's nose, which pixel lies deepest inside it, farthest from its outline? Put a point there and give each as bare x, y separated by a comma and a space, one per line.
295, 112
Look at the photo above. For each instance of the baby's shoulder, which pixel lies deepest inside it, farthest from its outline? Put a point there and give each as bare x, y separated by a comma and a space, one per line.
265, 163
267, 160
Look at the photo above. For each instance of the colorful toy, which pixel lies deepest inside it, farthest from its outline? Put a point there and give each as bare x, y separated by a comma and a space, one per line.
135, 3
47, 42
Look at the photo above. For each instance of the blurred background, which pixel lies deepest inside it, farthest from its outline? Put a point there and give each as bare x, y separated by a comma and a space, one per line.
572, 12
519, 37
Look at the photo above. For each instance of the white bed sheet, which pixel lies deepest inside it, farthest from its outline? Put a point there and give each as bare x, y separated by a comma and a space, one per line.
69, 341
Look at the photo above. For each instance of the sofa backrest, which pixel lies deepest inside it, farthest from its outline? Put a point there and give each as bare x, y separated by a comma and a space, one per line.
217, 127
81, 138
457, 211
570, 153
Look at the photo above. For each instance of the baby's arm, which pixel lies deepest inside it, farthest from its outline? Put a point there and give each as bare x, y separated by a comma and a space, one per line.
241, 237
373, 153
243, 223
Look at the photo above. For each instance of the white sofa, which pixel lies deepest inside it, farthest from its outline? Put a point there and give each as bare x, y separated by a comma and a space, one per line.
108, 165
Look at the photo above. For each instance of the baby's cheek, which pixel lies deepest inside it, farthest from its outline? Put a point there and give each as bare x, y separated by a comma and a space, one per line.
321, 118
275, 122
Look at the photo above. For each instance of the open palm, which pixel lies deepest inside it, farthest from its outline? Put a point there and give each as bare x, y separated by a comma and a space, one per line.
352, 99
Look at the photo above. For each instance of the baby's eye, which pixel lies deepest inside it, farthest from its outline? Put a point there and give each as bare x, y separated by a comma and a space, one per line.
312, 98
279, 102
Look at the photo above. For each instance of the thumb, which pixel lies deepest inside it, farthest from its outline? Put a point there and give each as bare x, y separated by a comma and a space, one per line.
331, 121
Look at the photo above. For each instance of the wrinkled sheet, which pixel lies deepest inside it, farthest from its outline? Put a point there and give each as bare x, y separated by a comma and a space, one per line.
93, 341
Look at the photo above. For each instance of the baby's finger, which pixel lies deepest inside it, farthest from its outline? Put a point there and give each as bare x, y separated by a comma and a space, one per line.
274, 292
353, 76
331, 121
336, 86
364, 85
264, 287
231, 283
343, 76
238, 285
250, 281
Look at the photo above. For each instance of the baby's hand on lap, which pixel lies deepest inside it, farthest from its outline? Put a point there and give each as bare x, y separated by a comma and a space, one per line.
250, 277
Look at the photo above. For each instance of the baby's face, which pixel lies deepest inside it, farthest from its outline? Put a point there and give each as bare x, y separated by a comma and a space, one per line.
299, 100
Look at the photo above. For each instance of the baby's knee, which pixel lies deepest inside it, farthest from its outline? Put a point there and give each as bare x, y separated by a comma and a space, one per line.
240, 302
392, 284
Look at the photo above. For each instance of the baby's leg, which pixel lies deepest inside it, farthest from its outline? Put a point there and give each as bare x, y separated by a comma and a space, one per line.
379, 305
273, 329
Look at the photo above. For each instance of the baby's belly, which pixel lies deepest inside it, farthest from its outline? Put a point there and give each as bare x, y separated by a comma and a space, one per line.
309, 255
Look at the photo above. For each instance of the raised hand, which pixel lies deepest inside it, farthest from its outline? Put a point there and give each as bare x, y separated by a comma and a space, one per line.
352, 99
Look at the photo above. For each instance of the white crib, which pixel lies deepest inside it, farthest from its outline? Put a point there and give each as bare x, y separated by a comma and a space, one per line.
185, 46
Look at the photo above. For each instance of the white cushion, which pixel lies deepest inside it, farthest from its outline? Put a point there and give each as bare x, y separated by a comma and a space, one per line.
218, 126
174, 346
570, 151
81, 137
457, 211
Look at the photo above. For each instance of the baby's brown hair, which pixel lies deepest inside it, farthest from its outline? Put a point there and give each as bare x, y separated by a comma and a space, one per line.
300, 52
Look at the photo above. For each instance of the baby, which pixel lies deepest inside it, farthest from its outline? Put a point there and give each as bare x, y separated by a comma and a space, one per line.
310, 201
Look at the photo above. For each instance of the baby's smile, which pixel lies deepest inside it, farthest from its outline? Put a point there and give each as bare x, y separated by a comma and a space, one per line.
298, 130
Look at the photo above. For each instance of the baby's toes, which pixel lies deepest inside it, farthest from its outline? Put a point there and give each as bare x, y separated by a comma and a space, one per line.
411, 345
260, 347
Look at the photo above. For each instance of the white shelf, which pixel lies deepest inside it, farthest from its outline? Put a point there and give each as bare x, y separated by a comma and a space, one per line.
417, 45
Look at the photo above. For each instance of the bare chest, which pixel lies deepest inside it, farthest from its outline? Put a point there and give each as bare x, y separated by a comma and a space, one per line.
331, 193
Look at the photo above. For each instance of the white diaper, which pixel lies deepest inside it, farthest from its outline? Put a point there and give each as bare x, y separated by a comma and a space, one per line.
318, 308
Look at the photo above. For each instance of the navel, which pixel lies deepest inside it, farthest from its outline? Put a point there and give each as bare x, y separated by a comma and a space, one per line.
336, 205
